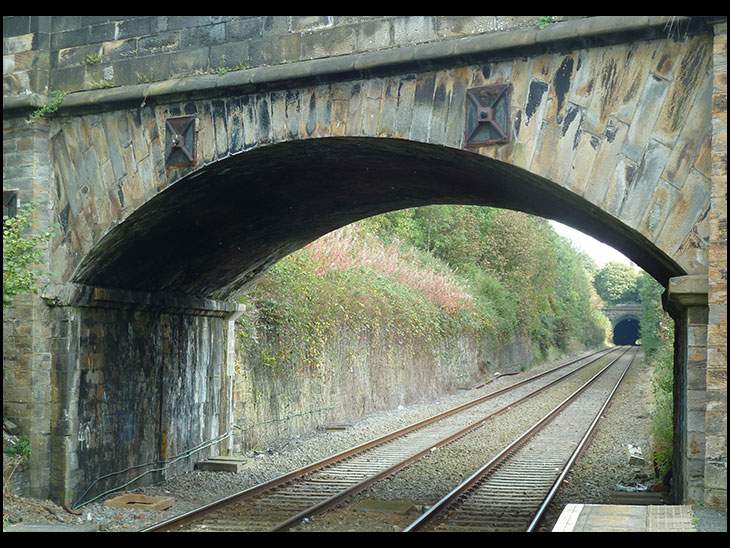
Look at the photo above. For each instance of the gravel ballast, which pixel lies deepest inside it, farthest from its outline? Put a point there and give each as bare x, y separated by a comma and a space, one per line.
595, 476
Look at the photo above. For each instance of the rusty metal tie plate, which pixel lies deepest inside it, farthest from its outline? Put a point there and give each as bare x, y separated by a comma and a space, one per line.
488, 115
180, 142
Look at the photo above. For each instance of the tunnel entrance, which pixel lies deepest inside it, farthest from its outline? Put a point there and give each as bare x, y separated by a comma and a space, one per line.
626, 332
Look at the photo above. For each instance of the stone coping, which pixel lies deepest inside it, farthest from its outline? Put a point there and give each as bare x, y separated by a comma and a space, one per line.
689, 290
593, 31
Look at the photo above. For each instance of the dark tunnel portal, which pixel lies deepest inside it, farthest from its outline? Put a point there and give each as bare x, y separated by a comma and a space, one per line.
626, 332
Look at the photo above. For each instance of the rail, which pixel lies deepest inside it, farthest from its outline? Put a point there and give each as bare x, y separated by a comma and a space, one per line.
284, 483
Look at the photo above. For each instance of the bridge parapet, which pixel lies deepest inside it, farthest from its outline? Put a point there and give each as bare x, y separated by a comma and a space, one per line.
75, 53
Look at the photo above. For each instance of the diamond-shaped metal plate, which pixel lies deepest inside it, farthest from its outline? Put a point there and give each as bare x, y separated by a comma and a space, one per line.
488, 115
180, 143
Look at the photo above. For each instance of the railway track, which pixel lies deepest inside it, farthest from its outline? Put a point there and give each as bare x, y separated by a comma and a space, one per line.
513, 489
284, 502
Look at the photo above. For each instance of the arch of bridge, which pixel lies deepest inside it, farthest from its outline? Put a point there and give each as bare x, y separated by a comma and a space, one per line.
611, 140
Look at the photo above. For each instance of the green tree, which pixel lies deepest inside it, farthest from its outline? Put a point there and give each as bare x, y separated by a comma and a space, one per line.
20, 254
653, 321
450, 233
617, 283
522, 276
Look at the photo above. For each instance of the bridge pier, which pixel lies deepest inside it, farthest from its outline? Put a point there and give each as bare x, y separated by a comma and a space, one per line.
686, 301
134, 379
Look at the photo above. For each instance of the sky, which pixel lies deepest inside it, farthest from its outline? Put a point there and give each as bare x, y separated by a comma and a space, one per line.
600, 252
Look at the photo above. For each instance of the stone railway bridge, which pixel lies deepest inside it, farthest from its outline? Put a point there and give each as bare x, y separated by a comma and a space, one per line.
191, 153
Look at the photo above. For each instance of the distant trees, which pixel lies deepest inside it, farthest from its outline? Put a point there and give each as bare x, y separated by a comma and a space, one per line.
617, 283
527, 275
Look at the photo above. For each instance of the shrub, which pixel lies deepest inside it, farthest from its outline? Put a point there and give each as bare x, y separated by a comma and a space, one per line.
657, 340
20, 253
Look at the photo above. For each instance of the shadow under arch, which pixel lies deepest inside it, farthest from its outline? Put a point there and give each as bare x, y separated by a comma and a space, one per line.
216, 229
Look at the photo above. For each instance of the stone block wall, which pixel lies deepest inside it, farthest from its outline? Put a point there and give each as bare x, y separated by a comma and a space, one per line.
27, 329
357, 374
139, 382
76, 52
716, 417
28, 386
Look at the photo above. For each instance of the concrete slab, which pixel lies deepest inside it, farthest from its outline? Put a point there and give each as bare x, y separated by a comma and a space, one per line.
225, 464
336, 427
672, 519
641, 498
625, 518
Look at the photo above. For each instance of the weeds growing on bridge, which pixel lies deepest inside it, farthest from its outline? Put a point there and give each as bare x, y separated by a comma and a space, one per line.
56, 98
543, 21
19, 453
657, 340
21, 253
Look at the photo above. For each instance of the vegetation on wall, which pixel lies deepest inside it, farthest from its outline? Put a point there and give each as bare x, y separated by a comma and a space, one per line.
22, 257
22, 253
410, 283
351, 279
425, 273
657, 339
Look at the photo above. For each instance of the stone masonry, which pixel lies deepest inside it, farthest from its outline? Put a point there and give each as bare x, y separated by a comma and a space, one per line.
617, 126
80, 52
716, 388
619, 312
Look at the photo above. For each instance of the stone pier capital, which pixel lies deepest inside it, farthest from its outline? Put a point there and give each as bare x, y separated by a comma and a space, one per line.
691, 290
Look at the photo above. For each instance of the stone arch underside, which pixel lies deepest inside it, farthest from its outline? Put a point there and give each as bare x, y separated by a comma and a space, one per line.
212, 232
